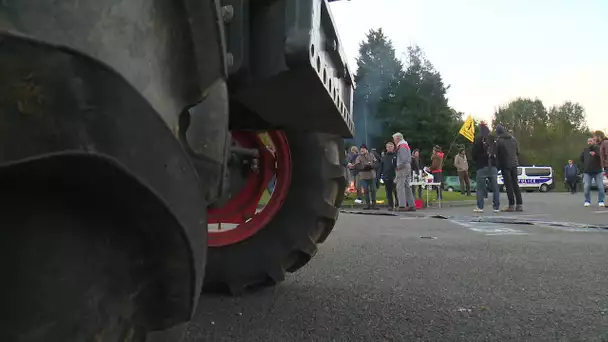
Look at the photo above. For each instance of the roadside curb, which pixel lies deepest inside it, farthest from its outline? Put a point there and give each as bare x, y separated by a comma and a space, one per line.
434, 205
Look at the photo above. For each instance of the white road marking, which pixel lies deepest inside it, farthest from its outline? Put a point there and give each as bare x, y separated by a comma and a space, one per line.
505, 233
489, 229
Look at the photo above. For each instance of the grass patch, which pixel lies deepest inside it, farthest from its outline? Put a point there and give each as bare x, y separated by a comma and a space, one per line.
381, 197
447, 196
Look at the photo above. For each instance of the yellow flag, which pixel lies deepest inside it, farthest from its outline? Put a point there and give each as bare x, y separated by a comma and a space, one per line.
468, 129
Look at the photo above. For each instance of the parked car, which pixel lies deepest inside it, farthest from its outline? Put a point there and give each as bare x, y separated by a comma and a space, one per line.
452, 183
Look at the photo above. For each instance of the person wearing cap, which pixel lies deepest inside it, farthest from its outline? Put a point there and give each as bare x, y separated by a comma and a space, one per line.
366, 163
462, 167
437, 169
508, 161
403, 173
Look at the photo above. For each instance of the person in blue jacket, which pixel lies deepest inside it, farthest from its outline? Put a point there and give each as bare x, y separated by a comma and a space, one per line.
571, 176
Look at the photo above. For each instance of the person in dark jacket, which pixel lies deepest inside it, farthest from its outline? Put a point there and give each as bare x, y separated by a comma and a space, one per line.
417, 166
592, 169
571, 176
486, 168
388, 174
508, 161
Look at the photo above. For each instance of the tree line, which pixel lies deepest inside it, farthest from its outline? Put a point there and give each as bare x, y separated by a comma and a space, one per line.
409, 96
546, 136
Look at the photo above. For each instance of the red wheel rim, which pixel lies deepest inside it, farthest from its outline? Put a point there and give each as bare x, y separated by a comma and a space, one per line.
241, 208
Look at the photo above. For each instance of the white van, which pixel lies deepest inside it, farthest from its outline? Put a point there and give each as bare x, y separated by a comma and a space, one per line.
532, 178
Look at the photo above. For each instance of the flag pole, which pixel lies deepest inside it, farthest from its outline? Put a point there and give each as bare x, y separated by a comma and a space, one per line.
450, 149
454, 140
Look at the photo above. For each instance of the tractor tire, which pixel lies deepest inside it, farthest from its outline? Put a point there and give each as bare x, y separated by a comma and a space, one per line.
77, 267
66, 284
289, 240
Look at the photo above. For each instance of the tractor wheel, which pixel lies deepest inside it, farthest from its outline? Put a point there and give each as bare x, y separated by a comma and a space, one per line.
66, 283
250, 248
77, 269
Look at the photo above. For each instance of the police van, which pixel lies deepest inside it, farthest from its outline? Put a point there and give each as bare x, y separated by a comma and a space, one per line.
532, 178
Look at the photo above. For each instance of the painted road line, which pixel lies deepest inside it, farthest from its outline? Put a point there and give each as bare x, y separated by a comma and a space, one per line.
508, 233
489, 228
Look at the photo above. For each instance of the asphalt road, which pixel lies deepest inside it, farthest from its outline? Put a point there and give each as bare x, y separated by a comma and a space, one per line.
377, 279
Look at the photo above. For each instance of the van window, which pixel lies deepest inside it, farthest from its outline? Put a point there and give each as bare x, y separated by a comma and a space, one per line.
518, 172
538, 172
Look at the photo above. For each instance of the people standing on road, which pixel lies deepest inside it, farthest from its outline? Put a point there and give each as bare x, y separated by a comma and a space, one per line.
366, 163
484, 157
462, 167
403, 174
592, 169
387, 171
508, 161
571, 176
417, 166
437, 169
602, 141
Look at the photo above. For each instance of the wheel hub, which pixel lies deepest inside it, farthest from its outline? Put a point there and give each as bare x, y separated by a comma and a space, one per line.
241, 216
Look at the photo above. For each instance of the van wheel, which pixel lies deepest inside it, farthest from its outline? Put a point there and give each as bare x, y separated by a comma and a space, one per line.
450, 189
544, 188
502, 188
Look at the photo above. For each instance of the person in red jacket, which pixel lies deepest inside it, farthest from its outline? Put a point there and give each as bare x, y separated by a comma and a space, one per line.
602, 142
437, 169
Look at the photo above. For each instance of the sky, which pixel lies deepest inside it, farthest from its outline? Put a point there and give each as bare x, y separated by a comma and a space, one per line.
491, 52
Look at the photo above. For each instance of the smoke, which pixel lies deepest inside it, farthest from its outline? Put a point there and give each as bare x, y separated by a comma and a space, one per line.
372, 85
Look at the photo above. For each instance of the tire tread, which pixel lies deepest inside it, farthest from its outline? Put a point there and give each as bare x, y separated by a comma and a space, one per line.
290, 241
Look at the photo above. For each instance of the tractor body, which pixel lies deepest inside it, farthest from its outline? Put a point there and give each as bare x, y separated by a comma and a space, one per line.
128, 109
